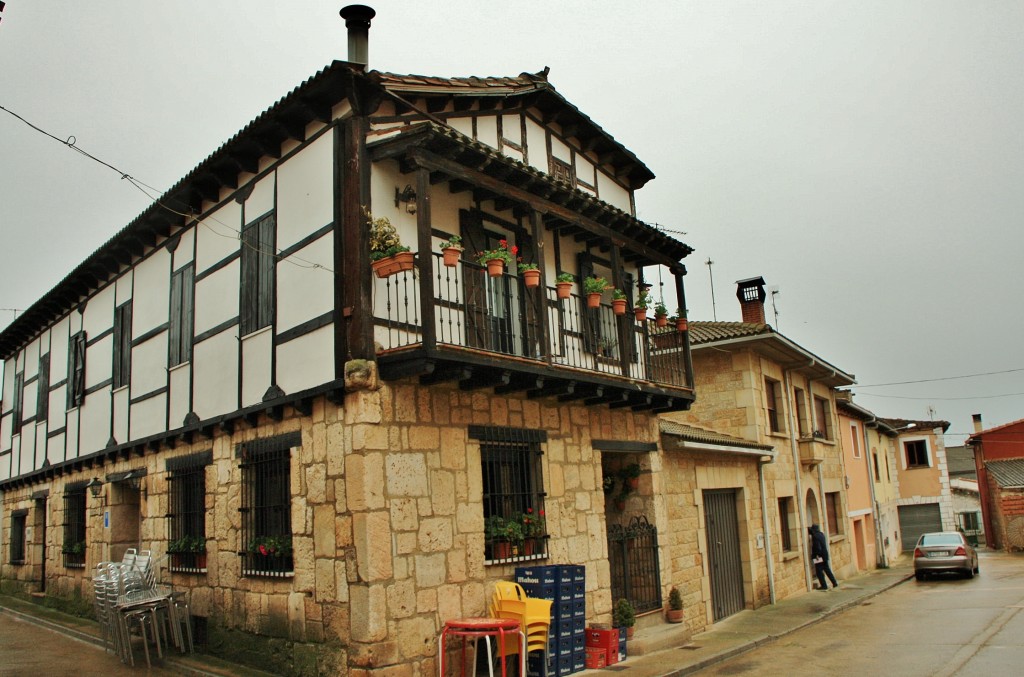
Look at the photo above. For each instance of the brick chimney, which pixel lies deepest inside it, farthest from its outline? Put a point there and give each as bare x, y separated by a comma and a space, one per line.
977, 423
357, 21
751, 294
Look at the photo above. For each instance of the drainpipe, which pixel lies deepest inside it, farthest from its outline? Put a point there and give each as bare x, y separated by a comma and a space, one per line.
795, 447
767, 533
881, 558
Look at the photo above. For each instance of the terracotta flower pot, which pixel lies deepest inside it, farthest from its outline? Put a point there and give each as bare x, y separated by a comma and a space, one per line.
564, 289
501, 550
681, 324
594, 300
531, 277
451, 256
641, 314
619, 306
495, 267
393, 264
661, 320
674, 615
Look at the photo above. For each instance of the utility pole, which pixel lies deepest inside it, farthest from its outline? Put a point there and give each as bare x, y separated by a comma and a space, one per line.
714, 313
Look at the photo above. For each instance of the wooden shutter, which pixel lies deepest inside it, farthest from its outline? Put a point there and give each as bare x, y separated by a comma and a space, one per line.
188, 295
249, 312
43, 389
267, 260
174, 356
475, 240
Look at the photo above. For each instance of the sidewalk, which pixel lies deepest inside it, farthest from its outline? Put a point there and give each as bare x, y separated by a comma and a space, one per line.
736, 634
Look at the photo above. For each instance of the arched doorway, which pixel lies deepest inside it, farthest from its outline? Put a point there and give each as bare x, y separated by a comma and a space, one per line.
811, 509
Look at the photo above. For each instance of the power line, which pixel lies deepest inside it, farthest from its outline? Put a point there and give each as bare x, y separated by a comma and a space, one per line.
945, 378
978, 397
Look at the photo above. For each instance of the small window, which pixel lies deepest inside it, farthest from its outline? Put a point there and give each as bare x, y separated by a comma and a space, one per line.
266, 506
560, 169
800, 399
785, 521
76, 370
73, 548
18, 537
122, 345
17, 404
855, 436
773, 398
875, 457
514, 517
833, 512
822, 418
917, 453
187, 518
259, 255
182, 303
43, 389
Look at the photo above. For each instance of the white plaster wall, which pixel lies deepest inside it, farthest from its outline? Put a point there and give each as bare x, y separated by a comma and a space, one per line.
19, 463
149, 365
464, 125
123, 286
305, 192
181, 383
55, 448
511, 128
29, 395
10, 367
585, 169
184, 252
304, 292
74, 416
98, 360
384, 178
99, 313
256, 364
306, 362
560, 150
26, 450
261, 200
30, 362
40, 452
148, 417
215, 364
613, 193
95, 423
151, 294
487, 130
57, 403
119, 401
508, 151
536, 142
216, 298
217, 236
59, 336
44, 344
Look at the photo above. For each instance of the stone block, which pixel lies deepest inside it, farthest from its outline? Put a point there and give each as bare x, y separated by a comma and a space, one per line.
435, 534
368, 608
417, 637
424, 437
430, 570
402, 599
372, 538
324, 534
406, 475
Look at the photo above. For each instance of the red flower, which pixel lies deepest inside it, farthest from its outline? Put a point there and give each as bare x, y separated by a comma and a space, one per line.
263, 550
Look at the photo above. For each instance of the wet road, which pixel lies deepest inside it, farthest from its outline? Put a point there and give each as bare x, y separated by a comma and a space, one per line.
28, 650
945, 626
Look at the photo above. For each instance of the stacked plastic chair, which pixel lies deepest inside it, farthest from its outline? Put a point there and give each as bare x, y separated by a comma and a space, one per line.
534, 615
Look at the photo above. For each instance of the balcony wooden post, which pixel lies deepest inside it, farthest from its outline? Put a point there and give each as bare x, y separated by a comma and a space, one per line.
426, 257
624, 323
681, 296
537, 231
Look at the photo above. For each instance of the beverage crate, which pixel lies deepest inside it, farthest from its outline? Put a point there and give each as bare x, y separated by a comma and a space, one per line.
596, 658
579, 660
622, 647
607, 639
539, 575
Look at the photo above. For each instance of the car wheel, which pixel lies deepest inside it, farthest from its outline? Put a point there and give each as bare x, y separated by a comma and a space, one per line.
977, 568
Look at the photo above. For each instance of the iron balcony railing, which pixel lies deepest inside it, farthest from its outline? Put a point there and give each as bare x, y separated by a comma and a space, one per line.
500, 315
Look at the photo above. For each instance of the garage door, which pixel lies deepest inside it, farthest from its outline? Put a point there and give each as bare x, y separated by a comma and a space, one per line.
916, 520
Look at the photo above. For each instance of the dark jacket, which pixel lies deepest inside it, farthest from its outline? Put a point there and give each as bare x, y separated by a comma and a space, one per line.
819, 546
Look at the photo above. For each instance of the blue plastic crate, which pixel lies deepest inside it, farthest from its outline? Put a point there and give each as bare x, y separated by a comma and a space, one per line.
540, 590
579, 660
538, 575
622, 646
579, 574
563, 665
579, 608
564, 574
563, 611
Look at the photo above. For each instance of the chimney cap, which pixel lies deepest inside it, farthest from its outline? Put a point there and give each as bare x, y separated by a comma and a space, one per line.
357, 16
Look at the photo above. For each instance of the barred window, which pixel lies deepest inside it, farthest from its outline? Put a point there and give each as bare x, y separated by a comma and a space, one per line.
513, 498
266, 506
18, 536
73, 549
785, 528
187, 518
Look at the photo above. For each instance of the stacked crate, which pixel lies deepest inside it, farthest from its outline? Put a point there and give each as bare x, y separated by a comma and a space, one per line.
565, 586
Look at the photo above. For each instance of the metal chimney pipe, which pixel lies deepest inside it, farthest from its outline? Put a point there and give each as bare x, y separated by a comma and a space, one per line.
357, 21
977, 422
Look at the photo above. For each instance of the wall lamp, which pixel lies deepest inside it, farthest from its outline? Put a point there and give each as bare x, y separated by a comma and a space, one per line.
408, 196
95, 487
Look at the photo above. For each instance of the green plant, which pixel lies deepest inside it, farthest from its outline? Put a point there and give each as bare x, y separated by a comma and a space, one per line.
630, 471
642, 299
270, 545
384, 239
523, 267
504, 529
534, 525
661, 309
565, 277
624, 615
595, 285
454, 242
503, 252
74, 548
187, 543
675, 599
618, 295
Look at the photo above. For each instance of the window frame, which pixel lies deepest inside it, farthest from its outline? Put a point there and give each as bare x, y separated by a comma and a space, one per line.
121, 361
75, 511
186, 494
258, 274
19, 524
833, 512
800, 403
43, 389
822, 417
785, 507
182, 321
921, 448
773, 401
76, 370
266, 505
18, 403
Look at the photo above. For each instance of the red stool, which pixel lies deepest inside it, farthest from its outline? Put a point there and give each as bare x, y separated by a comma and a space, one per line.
475, 628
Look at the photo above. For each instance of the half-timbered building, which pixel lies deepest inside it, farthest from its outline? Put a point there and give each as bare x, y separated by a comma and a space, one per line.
326, 454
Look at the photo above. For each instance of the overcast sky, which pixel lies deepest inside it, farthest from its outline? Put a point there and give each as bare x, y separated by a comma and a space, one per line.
864, 157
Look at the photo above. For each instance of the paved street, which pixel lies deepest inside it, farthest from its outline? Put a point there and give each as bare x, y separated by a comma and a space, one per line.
946, 626
29, 650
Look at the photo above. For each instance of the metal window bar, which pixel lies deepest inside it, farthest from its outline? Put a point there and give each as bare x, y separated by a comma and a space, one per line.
634, 560
266, 514
73, 550
18, 539
512, 492
187, 519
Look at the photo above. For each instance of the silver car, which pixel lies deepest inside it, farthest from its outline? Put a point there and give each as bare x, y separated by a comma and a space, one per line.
944, 551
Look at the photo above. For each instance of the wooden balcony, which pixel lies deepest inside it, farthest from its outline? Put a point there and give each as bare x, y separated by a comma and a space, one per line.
494, 332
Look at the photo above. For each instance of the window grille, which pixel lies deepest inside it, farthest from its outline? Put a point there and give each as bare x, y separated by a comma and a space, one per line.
513, 498
784, 529
187, 519
18, 518
266, 506
73, 550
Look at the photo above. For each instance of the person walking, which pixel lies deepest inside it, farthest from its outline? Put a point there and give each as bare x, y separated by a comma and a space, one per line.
819, 556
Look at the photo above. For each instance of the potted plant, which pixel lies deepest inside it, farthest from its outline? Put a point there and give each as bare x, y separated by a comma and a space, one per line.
624, 616
608, 484
620, 500
593, 287
451, 250
674, 613
630, 475
188, 551
681, 320
563, 285
640, 309
530, 274
497, 259
503, 534
534, 529
269, 546
77, 548
618, 301
387, 253
661, 314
